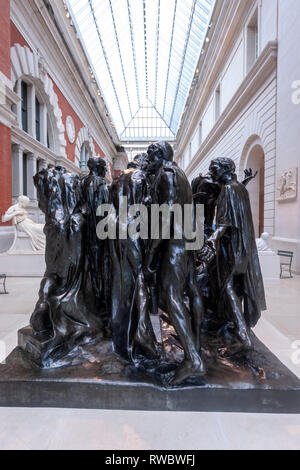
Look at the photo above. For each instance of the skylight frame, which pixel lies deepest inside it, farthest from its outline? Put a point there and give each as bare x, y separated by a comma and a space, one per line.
164, 42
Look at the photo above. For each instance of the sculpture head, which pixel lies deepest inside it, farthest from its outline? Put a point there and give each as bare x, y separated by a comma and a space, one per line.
59, 168
140, 162
222, 169
205, 190
265, 236
97, 166
42, 183
58, 192
23, 201
158, 153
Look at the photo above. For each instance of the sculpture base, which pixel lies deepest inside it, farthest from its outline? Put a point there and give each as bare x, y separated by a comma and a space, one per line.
270, 266
259, 384
23, 264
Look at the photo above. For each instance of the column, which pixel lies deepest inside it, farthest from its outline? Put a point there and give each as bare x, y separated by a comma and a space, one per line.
17, 171
31, 111
5, 169
31, 172
43, 112
42, 164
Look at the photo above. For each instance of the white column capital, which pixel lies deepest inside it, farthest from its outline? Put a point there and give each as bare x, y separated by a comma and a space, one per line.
17, 148
42, 164
31, 156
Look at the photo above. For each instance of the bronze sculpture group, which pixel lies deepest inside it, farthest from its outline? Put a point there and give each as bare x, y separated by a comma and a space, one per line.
107, 290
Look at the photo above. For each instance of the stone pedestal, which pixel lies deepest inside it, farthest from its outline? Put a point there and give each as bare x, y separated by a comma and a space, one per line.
261, 384
23, 265
7, 237
270, 265
20, 260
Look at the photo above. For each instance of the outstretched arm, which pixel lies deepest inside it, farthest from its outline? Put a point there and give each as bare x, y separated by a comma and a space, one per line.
249, 176
10, 214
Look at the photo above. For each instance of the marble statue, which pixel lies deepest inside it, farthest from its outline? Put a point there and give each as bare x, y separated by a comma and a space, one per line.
287, 184
262, 243
19, 217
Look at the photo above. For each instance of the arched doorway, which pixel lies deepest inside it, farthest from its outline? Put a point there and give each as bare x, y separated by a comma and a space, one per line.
85, 148
256, 160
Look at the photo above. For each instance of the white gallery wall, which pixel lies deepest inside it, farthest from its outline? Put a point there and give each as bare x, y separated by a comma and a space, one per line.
287, 213
250, 106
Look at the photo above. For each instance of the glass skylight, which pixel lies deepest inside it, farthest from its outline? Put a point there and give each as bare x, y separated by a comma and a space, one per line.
143, 54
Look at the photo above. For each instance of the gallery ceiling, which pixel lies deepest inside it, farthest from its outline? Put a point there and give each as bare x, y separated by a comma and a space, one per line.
143, 55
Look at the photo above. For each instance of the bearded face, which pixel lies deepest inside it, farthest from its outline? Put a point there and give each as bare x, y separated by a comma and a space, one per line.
98, 165
158, 153
156, 156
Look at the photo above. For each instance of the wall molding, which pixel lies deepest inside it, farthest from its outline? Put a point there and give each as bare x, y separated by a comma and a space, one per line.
35, 18
293, 241
256, 78
27, 64
8, 98
84, 137
251, 142
228, 19
31, 145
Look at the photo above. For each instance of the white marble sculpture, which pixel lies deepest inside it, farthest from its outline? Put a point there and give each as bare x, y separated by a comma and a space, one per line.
262, 243
269, 260
287, 184
19, 217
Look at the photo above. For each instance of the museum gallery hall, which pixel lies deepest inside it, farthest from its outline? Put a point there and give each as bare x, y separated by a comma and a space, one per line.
186, 106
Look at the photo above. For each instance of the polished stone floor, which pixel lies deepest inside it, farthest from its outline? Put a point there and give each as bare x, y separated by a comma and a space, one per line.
279, 329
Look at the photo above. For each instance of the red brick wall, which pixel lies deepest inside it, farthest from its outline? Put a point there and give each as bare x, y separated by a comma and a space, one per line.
5, 37
16, 37
98, 149
5, 133
5, 170
67, 110
9, 35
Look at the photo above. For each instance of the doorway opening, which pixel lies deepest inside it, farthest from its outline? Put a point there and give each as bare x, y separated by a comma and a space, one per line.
256, 189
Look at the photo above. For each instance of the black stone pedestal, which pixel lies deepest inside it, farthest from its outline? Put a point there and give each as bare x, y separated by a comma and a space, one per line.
262, 384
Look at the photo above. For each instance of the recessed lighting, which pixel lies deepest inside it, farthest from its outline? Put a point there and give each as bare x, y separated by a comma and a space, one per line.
207, 40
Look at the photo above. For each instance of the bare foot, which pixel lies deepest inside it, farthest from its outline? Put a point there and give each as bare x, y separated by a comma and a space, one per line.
186, 370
